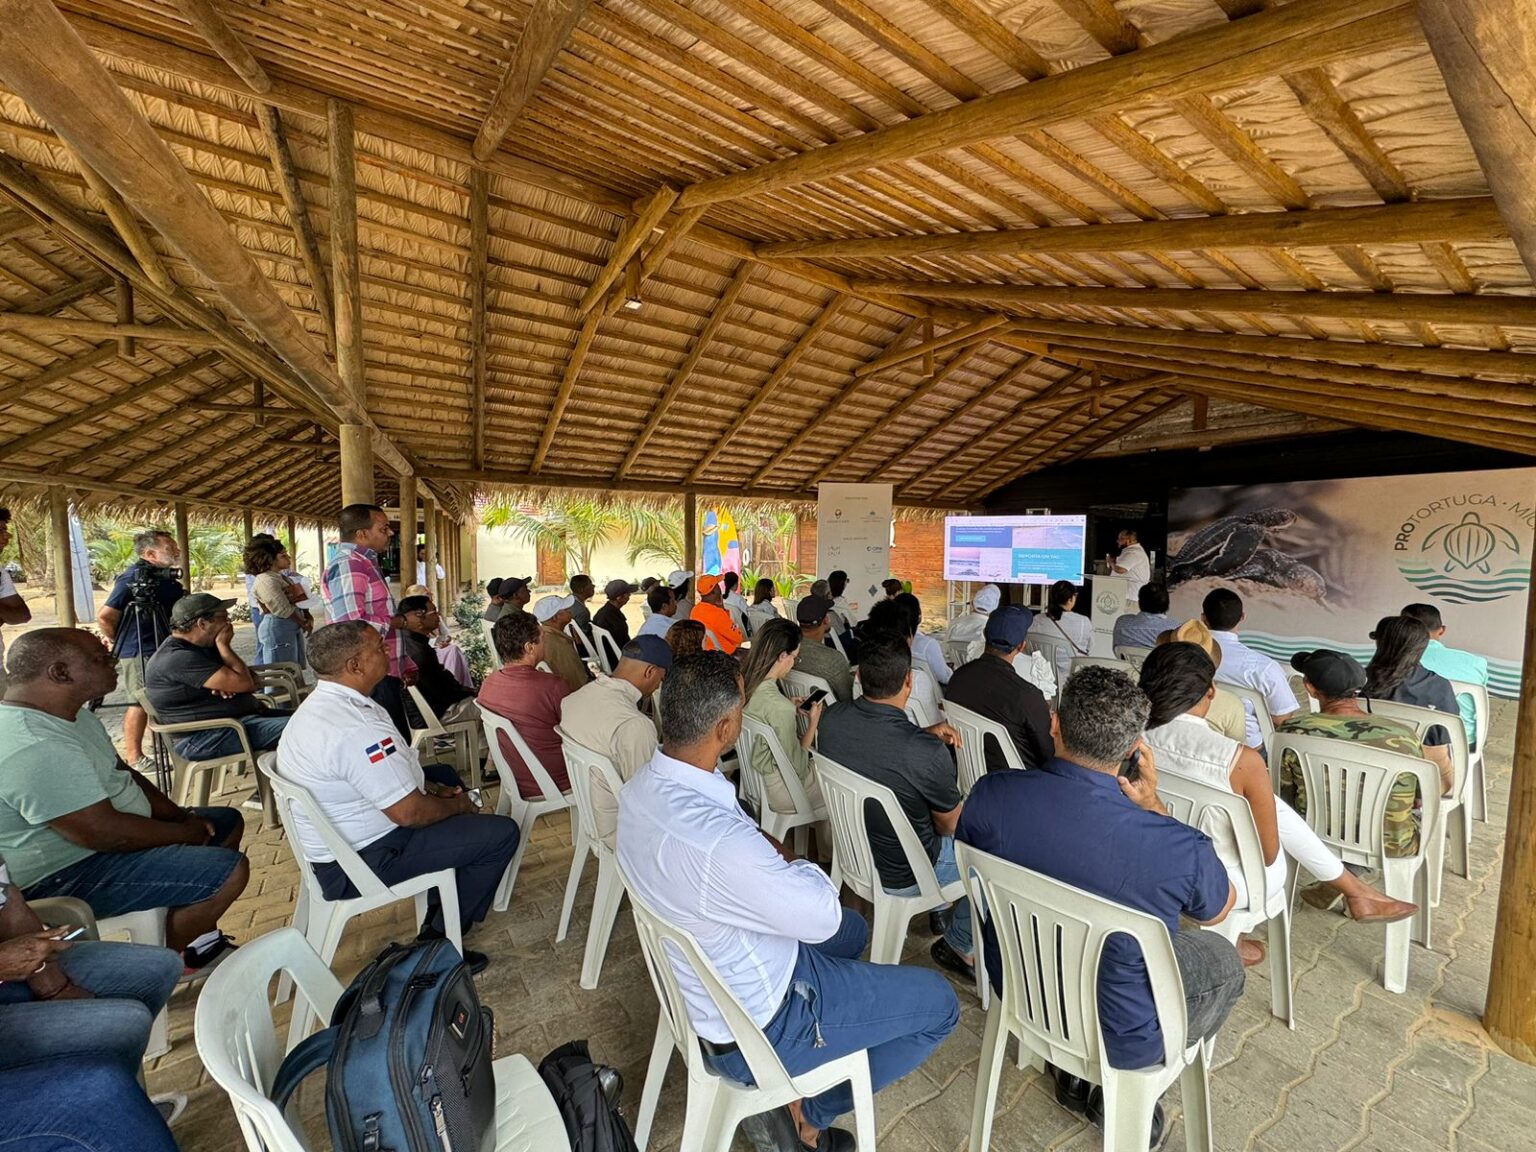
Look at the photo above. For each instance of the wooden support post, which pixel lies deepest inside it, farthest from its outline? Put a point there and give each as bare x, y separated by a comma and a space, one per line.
247, 525
442, 584
356, 464
479, 258
291, 539
122, 293
184, 544
690, 532
63, 573
344, 264
409, 519
320, 543
434, 586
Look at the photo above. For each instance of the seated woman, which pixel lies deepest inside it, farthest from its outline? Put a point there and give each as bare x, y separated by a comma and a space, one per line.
772, 657
1072, 631
686, 638
1180, 678
763, 609
280, 634
1395, 673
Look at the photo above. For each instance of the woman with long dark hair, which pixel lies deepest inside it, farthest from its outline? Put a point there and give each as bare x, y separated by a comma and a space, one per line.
1072, 631
1180, 680
280, 635
772, 656
1395, 673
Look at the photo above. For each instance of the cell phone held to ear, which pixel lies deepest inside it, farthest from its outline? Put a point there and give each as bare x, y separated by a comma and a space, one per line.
816, 697
1130, 767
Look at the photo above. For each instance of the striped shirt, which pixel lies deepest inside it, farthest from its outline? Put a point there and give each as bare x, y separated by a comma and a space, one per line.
355, 589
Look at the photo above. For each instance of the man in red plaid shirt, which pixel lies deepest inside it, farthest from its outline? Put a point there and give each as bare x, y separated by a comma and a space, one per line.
355, 589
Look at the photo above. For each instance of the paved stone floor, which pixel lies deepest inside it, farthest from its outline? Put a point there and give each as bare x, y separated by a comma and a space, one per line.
1363, 1069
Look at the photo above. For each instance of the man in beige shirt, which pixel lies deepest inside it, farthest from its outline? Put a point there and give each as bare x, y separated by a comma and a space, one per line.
553, 614
605, 716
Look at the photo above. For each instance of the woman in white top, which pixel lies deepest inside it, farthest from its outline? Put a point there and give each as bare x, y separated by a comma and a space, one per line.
1072, 632
1179, 679
280, 635
772, 658
763, 608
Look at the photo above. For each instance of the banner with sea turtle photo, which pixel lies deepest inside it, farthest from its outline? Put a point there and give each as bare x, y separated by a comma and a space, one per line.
1319, 562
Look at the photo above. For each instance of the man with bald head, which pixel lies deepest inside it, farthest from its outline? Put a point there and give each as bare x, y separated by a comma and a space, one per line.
76, 821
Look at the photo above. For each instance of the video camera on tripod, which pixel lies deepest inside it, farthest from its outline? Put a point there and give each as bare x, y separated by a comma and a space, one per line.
144, 618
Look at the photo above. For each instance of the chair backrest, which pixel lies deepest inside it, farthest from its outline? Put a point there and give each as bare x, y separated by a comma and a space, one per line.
1479, 696
837, 642
1132, 654
665, 947
431, 726
607, 647
1203, 806
974, 728
958, 652
1348, 787
1255, 705
791, 603
755, 733
237, 1040
1421, 720
798, 683
847, 796
487, 629
582, 764
295, 799
1056, 650
1105, 662
1050, 940
584, 646
495, 726
925, 698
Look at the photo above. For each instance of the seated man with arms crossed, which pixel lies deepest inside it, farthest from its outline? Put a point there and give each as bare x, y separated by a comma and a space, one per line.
402, 817
1076, 820
605, 716
771, 928
76, 821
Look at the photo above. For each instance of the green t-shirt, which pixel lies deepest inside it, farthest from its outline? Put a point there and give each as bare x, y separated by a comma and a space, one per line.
50, 768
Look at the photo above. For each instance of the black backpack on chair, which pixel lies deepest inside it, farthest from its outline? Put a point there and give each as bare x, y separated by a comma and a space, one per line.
587, 1095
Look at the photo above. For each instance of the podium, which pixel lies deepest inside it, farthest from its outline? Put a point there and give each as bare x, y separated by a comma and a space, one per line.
1109, 604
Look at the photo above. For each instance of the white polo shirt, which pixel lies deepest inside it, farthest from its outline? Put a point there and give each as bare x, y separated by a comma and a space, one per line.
1243, 667
346, 750
1138, 569
690, 852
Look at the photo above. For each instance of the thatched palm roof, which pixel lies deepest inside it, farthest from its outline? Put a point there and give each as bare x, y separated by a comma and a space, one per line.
940, 243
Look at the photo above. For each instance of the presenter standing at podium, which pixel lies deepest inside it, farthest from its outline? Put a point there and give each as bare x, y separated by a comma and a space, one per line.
1132, 563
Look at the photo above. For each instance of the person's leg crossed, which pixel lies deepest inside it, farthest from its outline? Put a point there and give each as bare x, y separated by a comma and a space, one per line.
478, 848
115, 1030
1213, 979
850, 939
79, 1106
112, 970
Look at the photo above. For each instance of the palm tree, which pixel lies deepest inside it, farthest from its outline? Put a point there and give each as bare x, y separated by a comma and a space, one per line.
569, 525
655, 531
215, 551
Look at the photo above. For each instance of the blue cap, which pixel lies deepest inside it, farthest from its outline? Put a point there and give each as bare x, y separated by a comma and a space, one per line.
650, 650
1007, 627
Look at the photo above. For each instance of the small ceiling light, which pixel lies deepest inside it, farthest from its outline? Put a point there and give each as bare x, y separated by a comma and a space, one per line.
633, 303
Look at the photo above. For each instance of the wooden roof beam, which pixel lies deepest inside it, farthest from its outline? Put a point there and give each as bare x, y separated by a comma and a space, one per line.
1304, 34
479, 258
127, 226
545, 32
46, 63
63, 370
1076, 409
1473, 218
285, 174
960, 335
568, 380
129, 491
627, 244
47, 305
1124, 429
102, 329
203, 16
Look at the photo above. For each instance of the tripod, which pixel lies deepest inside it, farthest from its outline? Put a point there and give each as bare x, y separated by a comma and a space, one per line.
144, 619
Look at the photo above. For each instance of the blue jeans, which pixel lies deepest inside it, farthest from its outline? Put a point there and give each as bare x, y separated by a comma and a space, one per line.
174, 876
130, 983
78, 1106
279, 640
958, 934
846, 1005
262, 730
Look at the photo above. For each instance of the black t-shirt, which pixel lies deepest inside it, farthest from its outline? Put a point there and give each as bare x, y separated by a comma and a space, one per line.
437, 685
612, 621
132, 628
1427, 689
174, 679
990, 687
879, 742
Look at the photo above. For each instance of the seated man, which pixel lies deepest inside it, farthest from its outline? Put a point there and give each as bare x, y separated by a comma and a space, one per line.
990, 687
76, 821
710, 612
79, 1104
582, 590
1242, 667
735, 603
197, 675
522, 692
553, 613
839, 633
662, 603
1452, 663
450, 700
873, 737
494, 600
771, 928
605, 716
1141, 629
896, 617
813, 657
1076, 820
968, 628
403, 818
610, 617
681, 583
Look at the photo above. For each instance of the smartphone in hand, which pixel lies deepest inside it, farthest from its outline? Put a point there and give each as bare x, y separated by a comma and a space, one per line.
1130, 767
817, 696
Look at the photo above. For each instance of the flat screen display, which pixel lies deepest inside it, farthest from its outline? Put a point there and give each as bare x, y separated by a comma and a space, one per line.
1015, 549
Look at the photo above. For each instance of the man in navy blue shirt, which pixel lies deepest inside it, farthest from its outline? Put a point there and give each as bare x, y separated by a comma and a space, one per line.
1077, 820
134, 634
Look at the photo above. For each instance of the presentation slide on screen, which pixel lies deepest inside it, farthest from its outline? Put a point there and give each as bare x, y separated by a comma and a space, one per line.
1015, 549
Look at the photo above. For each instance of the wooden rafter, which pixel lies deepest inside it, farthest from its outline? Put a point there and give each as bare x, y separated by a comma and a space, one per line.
1113, 434
627, 244
1076, 406
99, 329
285, 175
959, 336
127, 225
479, 259
345, 265
63, 370
49, 304
203, 16
568, 380
545, 32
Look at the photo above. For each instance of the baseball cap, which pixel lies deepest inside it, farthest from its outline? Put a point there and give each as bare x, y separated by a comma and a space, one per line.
812, 609
493, 586
196, 606
708, 584
619, 588
546, 608
1336, 674
510, 584
1007, 627
652, 650
988, 598
679, 578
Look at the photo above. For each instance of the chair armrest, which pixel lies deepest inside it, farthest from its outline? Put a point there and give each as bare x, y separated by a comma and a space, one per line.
205, 726
57, 911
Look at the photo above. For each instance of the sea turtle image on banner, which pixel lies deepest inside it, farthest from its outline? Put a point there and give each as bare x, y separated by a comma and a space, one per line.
1242, 547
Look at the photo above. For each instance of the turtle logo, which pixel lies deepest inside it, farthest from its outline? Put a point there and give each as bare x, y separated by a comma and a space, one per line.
1469, 544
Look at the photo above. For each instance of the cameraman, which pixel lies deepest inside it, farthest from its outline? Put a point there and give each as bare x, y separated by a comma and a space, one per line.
135, 621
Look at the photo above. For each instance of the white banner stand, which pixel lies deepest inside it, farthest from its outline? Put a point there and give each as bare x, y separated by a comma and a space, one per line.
1109, 604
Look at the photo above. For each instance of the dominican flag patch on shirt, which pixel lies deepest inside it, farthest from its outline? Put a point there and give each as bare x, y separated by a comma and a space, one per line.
377, 752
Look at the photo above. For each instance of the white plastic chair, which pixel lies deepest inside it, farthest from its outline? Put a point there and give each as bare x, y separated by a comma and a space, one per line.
609, 650
581, 763
1477, 791
802, 684
487, 629
1116, 663
971, 756
779, 825
848, 796
510, 802
712, 642
1057, 651
463, 735
1254, 703
925, 703
238, 1044
837, 642
1455, 825
1132, 654
1050, 939
194, 778
1200, 806
716, 1106
585, 648
1348, 786
958, 652
323, 921
283, 681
